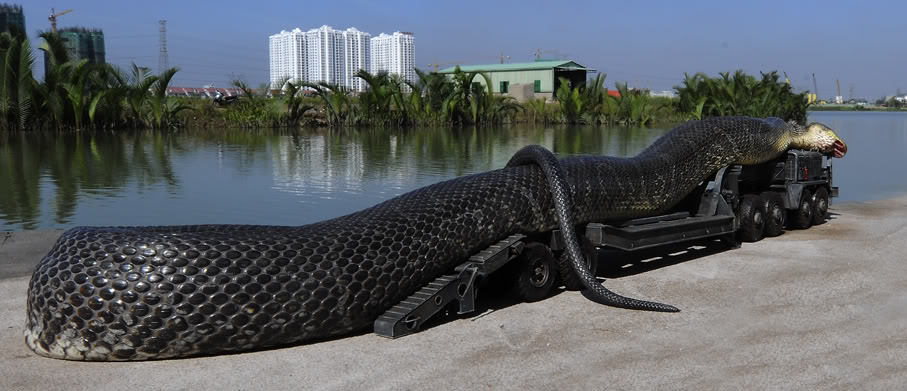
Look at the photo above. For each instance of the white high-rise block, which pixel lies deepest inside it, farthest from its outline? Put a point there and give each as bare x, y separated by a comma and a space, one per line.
358, 56
287, 56
394, 53
335, 56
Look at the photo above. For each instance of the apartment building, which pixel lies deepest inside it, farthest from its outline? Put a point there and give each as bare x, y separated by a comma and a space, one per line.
335, 56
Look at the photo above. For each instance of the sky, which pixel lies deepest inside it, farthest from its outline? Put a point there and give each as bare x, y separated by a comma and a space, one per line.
649, 44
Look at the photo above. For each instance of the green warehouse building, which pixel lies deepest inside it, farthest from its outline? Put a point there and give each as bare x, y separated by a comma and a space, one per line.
525, 80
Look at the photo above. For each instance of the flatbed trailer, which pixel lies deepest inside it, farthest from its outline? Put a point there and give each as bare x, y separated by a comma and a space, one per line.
737, 203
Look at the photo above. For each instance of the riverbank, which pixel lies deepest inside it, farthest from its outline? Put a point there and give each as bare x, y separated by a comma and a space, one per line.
824, 308
813, 108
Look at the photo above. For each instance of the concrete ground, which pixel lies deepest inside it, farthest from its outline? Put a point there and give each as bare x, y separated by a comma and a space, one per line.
824, 308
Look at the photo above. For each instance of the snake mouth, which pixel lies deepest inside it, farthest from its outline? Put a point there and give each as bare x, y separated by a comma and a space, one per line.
840, 148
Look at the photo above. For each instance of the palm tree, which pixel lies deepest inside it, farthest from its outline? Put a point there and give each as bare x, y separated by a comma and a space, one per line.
77, 92
16, 82
138, 85
244, 87
376, 101
570, 101
464, 105
294, 101
163, 113
336, 100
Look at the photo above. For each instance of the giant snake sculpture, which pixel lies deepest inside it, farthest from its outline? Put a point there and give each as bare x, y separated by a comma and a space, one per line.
134, 293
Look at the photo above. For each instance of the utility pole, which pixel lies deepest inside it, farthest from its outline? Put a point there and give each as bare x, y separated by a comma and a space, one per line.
503, 57
163, 62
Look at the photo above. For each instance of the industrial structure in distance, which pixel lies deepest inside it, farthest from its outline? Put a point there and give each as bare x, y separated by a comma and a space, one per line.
11, 16
334, 56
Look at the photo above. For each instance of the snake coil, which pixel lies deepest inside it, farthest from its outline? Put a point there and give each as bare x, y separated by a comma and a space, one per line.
135, 293
560, 190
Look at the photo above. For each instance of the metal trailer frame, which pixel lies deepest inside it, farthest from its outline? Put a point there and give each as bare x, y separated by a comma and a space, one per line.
715, 217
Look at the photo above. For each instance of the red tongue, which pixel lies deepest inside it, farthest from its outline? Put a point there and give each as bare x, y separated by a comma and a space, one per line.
840, 149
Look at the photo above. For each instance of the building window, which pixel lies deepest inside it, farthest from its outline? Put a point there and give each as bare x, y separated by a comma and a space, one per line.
504, 85
538, 86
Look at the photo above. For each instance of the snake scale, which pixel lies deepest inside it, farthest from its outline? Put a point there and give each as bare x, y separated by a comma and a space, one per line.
135, 293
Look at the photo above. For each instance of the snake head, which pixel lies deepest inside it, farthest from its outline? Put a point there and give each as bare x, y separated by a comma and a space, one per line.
818, 137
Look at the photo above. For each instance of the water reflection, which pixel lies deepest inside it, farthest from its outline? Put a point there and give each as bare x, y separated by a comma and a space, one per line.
298, 177
56, 170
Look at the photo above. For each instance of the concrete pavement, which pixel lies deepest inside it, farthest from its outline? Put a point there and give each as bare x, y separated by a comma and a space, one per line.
824, 308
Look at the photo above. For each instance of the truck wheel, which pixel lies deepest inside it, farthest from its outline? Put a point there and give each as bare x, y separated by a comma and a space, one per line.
751, 214
775, 214
565, 267
802, 217
536, 273
820, 205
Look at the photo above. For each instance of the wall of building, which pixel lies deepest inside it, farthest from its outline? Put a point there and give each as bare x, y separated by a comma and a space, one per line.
287, 52
394, 54
544, 76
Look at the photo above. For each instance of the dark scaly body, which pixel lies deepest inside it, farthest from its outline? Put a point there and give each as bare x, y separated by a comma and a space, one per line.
129, 293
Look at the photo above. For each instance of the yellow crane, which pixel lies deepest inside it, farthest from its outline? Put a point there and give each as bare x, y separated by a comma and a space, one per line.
437, 65
53, 18
555, 52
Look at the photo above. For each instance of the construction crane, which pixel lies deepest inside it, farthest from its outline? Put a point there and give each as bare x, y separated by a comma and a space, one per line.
53, 18
539, 52
437, 64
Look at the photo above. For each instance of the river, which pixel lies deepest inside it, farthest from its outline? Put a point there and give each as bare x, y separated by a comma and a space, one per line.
50, 180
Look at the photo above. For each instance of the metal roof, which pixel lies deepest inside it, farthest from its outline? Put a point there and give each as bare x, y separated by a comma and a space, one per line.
520, 66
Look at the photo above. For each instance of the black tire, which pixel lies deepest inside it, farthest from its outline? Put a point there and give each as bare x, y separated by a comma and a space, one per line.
775, 214
536, 273
820, 205
802, 217
751, 214
568, 275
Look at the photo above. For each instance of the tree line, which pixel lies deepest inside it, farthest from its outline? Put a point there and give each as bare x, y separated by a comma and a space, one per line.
78, 95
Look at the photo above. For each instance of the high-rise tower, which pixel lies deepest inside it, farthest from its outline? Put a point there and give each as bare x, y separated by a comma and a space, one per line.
394, 54
11, 15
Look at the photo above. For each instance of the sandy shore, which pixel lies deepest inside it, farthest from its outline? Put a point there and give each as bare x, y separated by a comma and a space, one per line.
824, 308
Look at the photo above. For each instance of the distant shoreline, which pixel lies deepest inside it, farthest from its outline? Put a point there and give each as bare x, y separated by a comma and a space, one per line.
856, 108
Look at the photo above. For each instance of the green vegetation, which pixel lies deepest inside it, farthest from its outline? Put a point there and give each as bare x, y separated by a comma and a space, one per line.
592, 104
77, 95
740, 94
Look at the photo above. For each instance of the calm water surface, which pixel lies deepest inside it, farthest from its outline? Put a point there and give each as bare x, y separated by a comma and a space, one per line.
298, 177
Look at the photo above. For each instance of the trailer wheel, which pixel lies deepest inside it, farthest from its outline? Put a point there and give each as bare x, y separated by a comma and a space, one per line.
565, 267
751, 214
802, 217
775, 214
536, 273
820, 205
